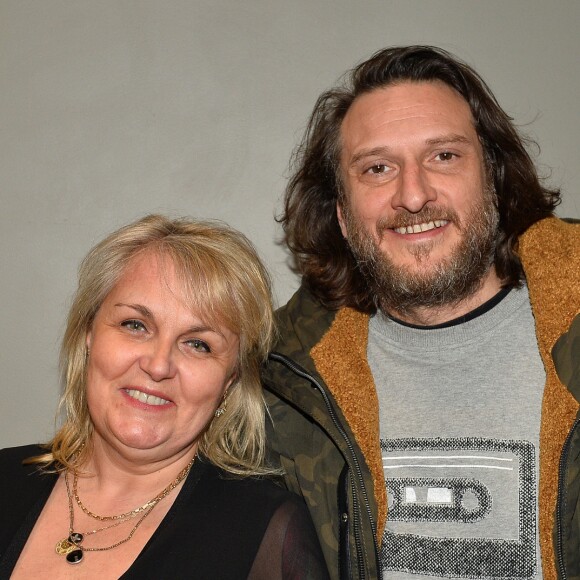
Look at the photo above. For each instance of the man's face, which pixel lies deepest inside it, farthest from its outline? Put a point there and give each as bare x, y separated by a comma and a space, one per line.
417, 211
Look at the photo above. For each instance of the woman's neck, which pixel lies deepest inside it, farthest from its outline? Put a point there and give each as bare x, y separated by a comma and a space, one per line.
118, 477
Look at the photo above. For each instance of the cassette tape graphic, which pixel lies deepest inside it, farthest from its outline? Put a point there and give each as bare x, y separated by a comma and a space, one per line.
461, 507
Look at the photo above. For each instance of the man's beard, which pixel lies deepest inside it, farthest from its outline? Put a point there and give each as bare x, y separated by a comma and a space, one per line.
401, 289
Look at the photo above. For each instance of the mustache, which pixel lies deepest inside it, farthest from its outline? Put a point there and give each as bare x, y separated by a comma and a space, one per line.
404, 218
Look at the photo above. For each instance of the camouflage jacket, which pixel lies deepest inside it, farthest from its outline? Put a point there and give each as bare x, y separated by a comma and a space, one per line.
324, 428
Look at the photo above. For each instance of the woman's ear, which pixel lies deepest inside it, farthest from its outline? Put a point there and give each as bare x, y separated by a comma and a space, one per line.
232, 380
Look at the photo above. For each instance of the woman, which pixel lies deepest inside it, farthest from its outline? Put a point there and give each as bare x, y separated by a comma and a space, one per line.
154, 473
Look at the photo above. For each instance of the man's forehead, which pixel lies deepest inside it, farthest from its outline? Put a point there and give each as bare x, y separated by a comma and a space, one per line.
407, 98
407, 106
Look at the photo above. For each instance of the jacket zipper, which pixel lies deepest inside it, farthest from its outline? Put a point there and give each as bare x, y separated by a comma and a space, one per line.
560, 501
301, 372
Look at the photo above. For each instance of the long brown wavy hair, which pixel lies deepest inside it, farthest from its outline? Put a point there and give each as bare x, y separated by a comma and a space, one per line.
311, 230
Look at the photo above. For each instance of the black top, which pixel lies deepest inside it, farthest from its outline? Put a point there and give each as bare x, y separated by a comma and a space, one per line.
219, 527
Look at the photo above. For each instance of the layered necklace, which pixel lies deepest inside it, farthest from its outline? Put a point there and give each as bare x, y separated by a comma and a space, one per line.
71, 547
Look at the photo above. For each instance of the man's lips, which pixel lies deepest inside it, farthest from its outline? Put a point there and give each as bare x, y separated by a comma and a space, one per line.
147, 398
420, 227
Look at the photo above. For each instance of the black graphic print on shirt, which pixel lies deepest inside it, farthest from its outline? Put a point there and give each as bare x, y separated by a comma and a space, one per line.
460, 508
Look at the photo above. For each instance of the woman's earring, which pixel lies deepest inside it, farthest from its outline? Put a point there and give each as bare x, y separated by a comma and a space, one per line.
222, 408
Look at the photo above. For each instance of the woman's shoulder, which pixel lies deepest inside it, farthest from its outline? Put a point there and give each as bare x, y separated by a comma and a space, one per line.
17, 473
21, 452
21, 485
212, 494
264, 489
16, 455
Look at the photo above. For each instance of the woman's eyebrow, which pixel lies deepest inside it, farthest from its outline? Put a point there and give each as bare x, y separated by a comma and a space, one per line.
143, 310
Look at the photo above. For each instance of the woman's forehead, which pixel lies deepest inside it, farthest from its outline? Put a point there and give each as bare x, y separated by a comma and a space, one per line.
197, 287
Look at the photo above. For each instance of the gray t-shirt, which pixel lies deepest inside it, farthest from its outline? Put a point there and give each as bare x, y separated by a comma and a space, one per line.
460, 419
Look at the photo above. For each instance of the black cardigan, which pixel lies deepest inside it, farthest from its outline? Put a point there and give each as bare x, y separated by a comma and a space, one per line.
214, 530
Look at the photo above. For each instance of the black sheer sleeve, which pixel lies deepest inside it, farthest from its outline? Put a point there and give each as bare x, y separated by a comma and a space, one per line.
290, 549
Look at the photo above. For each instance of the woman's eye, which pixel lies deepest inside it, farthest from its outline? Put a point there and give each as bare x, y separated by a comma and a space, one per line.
198, 345
133, 325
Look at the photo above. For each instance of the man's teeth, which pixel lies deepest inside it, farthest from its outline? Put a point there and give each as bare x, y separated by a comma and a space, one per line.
424, 227
145, 398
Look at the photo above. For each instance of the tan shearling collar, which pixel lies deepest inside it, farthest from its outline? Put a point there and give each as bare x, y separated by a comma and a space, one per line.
550, 254
341, 360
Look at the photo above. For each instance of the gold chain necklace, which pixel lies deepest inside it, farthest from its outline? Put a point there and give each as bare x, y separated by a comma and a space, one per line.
71, 547
181, 475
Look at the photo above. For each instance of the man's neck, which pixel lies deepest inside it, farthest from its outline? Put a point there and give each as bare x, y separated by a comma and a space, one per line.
433, 315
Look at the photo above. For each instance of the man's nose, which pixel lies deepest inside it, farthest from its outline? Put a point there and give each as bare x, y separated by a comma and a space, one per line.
414, 190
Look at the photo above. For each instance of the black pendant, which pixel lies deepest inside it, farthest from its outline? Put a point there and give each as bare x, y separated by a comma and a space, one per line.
75, 538
74, 557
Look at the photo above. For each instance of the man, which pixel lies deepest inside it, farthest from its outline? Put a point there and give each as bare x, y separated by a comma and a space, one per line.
416, 402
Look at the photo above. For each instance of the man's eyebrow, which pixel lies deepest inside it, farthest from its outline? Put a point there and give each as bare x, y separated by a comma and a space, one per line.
374, 152
449, 140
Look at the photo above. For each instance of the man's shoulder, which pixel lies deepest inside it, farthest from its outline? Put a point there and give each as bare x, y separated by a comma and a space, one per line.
566, 360
550, 254
550, 242
552, 228
302, 305
302, 322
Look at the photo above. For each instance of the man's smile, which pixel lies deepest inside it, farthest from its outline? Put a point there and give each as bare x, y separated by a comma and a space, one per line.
422, 227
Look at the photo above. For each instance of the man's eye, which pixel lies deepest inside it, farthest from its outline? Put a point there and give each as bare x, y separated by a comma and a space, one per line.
377, 169
198, 345
445, 156
133, 325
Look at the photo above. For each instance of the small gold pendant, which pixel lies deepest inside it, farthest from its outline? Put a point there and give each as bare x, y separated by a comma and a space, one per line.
72, 551
64, 546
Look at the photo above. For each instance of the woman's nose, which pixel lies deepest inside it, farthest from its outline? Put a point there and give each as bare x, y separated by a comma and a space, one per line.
158, 362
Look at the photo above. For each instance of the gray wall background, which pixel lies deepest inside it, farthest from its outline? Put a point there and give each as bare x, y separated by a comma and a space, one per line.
110, 109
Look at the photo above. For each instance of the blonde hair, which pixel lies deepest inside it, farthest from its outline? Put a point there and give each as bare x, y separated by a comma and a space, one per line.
224, 282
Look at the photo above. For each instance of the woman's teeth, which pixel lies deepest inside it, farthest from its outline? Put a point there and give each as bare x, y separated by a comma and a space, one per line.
145, 398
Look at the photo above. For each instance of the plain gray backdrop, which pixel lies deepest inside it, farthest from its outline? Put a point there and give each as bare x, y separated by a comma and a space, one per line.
111, 109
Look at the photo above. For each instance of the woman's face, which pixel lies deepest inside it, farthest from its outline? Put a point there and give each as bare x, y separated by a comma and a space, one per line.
156, 371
